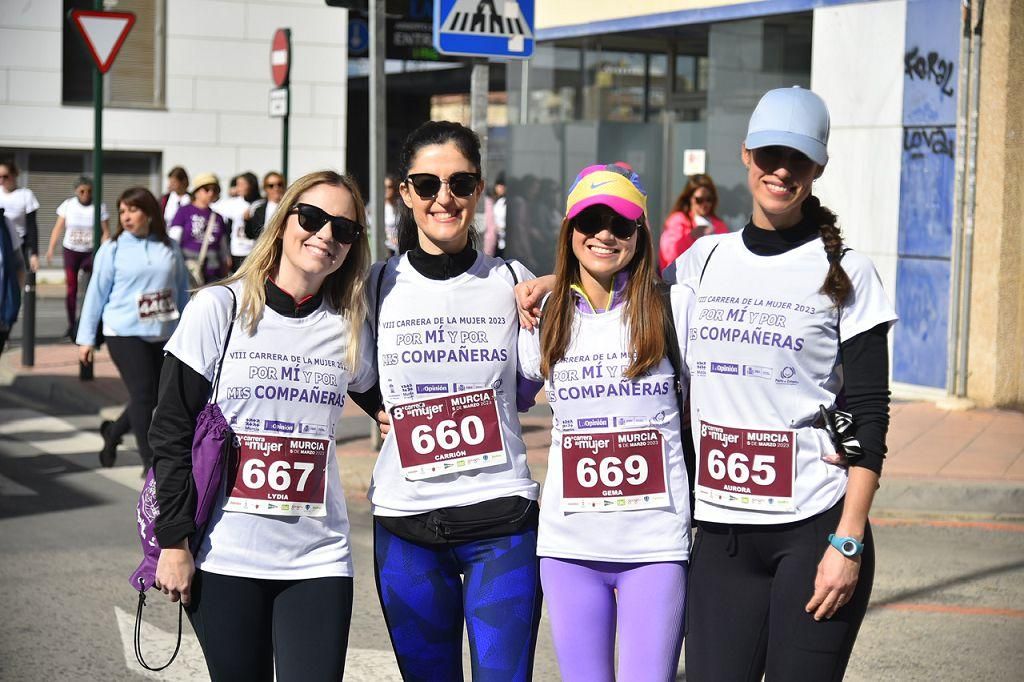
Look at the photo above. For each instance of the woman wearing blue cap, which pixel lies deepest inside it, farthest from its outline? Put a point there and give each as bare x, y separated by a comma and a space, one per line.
788, 324
614, 533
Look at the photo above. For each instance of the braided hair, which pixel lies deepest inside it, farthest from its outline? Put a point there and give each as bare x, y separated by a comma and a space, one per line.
837, 285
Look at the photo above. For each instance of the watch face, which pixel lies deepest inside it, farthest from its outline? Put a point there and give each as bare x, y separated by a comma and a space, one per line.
849, 548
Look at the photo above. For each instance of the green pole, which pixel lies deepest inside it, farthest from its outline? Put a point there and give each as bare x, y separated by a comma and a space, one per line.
284, 133
97, 149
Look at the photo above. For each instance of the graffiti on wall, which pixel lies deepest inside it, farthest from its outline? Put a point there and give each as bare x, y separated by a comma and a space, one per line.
931, 67
919, 141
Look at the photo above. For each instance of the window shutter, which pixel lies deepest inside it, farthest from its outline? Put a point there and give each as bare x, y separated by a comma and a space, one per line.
136, 78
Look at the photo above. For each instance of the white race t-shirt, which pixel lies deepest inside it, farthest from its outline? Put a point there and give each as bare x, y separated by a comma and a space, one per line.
78, 224
763, 356
17, 205
174, 202
287, 382
233, 209
436, 338
590, 400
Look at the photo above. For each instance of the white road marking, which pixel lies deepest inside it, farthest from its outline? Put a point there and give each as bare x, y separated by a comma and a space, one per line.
361, 665
13, 489
20, 424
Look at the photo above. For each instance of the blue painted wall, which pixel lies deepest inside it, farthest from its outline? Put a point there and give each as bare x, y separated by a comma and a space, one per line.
926, 191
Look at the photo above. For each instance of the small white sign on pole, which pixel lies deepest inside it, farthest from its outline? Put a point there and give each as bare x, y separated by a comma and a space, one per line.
695, 161
278, 102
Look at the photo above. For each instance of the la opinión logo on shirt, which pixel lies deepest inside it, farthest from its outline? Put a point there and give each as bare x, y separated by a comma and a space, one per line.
725, 368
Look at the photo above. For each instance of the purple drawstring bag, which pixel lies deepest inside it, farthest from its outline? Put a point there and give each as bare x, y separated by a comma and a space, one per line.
211, 448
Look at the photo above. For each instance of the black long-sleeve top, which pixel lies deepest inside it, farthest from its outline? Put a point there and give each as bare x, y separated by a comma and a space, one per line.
183, 393
865, 357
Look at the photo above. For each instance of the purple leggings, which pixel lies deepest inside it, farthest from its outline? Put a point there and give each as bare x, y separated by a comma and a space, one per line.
588, 600
74, 261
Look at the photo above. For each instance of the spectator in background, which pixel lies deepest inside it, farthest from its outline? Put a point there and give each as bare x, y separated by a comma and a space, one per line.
391, 182
244, 191
263, 209
692, 217
20, 206
177, 193
201, 233
10, 291
495, 210
76, 218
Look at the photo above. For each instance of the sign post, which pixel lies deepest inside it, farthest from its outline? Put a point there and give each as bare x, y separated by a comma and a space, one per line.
501, 29
104, 33
280, 98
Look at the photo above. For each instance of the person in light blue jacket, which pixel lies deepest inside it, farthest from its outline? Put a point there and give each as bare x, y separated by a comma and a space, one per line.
138, 289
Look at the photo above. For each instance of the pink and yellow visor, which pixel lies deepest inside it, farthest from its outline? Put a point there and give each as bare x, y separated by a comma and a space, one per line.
611, 185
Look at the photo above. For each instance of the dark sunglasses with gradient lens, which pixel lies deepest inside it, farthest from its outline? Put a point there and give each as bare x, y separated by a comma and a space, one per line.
592, 220
428, 185
312, 219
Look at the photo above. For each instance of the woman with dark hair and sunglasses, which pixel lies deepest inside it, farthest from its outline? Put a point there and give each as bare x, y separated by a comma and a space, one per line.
270, 588
693, 216
138, 289
455, 512
614, 534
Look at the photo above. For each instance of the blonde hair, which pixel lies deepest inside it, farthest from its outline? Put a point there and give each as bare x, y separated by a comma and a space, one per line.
344, 289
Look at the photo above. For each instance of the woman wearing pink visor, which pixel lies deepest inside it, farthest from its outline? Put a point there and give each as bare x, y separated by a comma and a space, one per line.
614, 534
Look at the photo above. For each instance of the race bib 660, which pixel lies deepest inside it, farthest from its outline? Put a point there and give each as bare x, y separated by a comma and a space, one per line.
451, 434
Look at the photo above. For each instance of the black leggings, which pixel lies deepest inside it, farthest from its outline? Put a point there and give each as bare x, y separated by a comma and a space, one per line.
247, 626
748, 586
139, 363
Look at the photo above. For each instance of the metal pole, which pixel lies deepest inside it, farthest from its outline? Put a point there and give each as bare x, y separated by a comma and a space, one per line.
28, 317
478, 86
378, 140
956, 256
284, 131
97, 149
971, 186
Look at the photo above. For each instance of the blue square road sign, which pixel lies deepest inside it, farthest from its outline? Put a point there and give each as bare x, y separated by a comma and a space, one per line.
502, 29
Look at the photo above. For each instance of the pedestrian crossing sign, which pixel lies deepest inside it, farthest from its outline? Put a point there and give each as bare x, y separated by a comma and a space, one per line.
502, 29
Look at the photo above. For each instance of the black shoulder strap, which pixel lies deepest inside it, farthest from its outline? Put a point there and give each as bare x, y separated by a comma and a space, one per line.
672, 340
708, 260
227, 340
376, 301
515, 279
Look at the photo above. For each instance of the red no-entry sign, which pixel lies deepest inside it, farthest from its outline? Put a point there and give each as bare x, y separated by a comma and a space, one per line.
281, 56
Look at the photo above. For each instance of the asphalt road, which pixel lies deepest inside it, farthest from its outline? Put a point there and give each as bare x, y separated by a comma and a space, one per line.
945, 603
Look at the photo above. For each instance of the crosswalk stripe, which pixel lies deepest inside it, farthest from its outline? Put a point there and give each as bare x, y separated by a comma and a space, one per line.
21, 425
9, 488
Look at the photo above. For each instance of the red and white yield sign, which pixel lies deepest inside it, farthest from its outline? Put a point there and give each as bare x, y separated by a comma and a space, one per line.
104, 33
281, 56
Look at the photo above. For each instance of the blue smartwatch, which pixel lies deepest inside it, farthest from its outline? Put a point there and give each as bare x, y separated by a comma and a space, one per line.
848, 547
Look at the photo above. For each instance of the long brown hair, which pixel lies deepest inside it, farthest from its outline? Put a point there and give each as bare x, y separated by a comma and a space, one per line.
642, 306
837, 285
142, 199
343, 289
682, 204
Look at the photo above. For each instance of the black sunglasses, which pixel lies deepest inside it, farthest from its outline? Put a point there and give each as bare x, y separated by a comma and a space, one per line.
592, 222
312, 218
428, 185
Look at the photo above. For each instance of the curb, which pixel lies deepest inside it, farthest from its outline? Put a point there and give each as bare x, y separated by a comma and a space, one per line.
949, 499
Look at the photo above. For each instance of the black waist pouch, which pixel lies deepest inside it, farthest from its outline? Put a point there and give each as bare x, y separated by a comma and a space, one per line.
453, 525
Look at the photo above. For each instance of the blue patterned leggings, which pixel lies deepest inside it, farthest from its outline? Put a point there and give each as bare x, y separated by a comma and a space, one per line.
425, 602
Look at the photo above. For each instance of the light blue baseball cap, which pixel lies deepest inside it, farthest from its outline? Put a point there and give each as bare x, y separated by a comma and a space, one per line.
791, 117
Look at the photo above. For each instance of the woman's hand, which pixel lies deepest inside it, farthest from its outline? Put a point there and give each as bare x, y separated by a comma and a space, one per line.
49, 256
86, 354
834, 584
174, 571
528, 297
384, 423
33, 263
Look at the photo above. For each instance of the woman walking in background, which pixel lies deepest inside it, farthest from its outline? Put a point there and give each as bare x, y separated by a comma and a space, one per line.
20, 207
76, 219
138, 289
234, 210
201, 232
262, 210
692, 217
176, 195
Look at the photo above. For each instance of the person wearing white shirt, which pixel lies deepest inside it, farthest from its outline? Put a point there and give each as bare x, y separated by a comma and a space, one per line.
20, 207
76, 218
177, 193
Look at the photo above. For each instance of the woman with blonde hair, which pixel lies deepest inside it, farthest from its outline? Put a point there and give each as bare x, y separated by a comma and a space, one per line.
614, 534
284, 335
